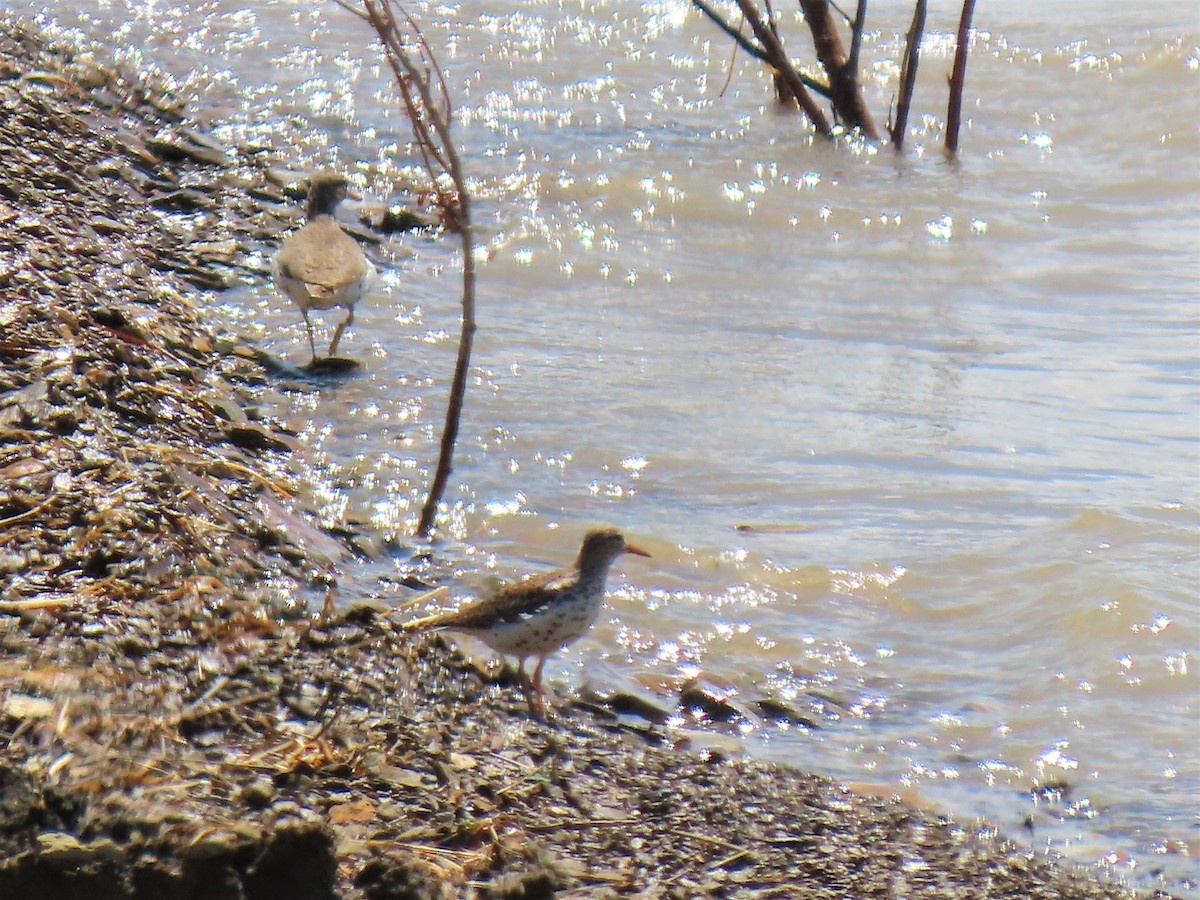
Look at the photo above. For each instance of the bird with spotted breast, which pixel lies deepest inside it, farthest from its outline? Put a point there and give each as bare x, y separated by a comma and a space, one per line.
542, 613
320, 266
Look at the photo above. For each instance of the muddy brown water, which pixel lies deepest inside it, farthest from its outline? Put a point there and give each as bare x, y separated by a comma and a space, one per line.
915, 447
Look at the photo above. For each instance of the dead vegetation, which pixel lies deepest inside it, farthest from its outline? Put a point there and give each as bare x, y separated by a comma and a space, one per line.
132, 455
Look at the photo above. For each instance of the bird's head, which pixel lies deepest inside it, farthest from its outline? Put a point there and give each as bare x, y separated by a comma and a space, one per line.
602, 545
325, 191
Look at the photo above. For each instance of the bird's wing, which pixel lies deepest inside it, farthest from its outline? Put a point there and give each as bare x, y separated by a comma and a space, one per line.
510, 603
322, 256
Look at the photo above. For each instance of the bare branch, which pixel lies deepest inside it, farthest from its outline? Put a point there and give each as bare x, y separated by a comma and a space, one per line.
777, 58
426, 100
754, 49
957, 79
841, 12
740, 39
732, 58
856, 36
908, 73
846, 93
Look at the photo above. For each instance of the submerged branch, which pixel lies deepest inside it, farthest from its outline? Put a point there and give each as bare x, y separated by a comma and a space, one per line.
846, 92
756, 50
856, 31
777, 58
908, 74
738, 38
957, 78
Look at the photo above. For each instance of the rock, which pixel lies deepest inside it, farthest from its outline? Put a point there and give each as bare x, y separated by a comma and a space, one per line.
259, 794
332, 365
779, 711
642, 705
22, 706
297, 862
61, 850
255, 437
538, 883
105, 225
20, 800
714, 702
216, 845
396, 218
105, 851
185, 199
398, 875
173, 147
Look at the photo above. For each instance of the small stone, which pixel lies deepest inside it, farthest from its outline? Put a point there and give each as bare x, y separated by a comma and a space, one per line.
212, 846
105, 225
61, 850
258, 794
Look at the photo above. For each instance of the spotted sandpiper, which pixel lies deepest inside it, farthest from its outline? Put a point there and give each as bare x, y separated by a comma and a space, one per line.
320, 266
542, 613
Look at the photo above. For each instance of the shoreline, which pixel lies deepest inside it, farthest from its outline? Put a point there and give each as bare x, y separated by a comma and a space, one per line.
173, 728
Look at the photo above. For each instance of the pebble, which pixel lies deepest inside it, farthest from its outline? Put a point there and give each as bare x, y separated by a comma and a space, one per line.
259, 794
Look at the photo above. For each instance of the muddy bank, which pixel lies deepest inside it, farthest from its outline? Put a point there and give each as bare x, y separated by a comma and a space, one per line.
175, 722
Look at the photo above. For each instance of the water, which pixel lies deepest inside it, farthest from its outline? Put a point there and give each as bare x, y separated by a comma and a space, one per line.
956, 405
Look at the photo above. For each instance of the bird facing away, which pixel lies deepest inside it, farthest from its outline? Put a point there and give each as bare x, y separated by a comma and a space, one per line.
542, 613
320, 266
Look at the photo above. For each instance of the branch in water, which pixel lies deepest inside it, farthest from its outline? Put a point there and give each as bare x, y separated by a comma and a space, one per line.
957, 78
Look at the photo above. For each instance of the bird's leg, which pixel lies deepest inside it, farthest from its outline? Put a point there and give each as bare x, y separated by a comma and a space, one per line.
337, 335
540, 710
527, 688
523, 680
308, 325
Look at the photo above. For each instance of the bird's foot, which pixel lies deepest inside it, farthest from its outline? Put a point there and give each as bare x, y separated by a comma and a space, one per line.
537, 708
533, 697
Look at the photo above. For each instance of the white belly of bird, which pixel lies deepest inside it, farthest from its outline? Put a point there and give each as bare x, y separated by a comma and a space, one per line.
545, 632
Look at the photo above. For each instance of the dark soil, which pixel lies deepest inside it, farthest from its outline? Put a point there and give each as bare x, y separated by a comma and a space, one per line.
176, 723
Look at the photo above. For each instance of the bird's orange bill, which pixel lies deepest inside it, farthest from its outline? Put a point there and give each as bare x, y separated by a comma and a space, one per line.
636, 551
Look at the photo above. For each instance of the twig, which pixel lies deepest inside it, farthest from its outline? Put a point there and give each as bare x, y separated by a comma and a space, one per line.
754, 49
738, 38
580, 824
777, 57
841, 12
193, 712
732, 857
732, 59
704, 838
414, 601
908, 74
426, 99
856, 36
16, 606
29, 513
959, 76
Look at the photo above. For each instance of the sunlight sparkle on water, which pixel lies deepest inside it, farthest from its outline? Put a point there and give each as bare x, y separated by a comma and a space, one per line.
941, 229
510, 507
634, 464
